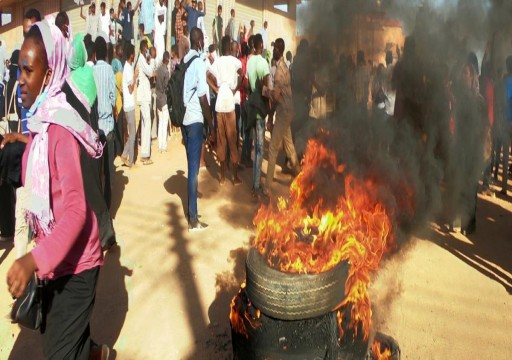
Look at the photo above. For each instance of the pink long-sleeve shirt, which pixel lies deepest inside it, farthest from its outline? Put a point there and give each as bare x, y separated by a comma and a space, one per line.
73, 246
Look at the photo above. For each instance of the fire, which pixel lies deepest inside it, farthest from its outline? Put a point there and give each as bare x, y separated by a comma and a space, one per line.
378, 353
240, 304
331, 216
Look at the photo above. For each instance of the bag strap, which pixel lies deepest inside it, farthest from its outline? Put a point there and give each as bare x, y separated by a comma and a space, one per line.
8, 108
187, 64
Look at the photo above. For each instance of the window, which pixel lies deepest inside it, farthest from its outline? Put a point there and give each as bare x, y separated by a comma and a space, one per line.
281, 5
5, 16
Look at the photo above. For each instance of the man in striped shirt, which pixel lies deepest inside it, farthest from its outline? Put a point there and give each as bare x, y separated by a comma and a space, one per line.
106, 87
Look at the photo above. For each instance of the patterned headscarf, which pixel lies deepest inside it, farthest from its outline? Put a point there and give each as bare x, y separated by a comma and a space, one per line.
49, 108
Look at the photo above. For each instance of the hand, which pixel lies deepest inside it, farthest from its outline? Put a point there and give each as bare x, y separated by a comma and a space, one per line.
212, 139
20, 274
136, 73
12, 138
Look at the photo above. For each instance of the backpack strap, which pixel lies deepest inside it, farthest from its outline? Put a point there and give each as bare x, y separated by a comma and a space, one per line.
187, 64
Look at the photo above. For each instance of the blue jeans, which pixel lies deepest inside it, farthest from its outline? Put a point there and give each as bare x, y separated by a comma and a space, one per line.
258, 153
193, 140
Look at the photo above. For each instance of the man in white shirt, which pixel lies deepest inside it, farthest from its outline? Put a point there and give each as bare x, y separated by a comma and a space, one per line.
105, 23
160, 29
129, 105
195, 92
201, 26
225, 79
264, 35
92, 25
144, 100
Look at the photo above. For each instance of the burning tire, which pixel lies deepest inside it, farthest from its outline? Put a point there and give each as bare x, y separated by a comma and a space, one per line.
293, 296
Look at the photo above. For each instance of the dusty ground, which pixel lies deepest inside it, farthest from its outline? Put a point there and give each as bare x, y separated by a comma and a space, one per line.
165, 293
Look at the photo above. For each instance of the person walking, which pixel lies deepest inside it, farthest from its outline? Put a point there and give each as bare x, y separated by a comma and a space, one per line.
67, 252
197, 110
281, 97
146, 71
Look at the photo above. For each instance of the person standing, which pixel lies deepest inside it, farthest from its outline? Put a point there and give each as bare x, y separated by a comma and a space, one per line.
231, 29
362, 81
174, 17
106, 87
92, 21
193, 14
264, 35
197, 110
281, 97
117, 67
146, 71
251, 30
218, 26
105, 23
129, 106
126, 21
160, 30
147, 17
162, 78
179, 24
258, 74
225, 80
201, 24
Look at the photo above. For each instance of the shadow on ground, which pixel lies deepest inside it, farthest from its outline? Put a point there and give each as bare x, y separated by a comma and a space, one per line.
487, 251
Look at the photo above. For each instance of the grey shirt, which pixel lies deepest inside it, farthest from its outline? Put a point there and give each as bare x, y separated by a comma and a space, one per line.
162, 78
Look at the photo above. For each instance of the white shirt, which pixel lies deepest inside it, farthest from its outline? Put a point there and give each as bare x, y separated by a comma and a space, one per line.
225, 69
143, 86
105, 24
200, 25
264, 35
157, 8
195, 87
93, 26
128, 99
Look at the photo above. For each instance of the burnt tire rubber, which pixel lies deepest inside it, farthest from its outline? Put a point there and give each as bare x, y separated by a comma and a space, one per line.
287, 296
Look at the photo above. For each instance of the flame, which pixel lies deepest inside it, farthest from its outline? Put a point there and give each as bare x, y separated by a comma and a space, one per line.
331, 216
242, 311
378, 353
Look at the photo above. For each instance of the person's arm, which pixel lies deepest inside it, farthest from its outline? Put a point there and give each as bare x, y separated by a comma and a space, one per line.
112, 86
146, 68
82, 13
13, 137
53, 249
207, 113
212, 82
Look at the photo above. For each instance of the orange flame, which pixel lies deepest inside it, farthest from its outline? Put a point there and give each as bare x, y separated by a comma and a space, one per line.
331, 217
379, 354
240, 305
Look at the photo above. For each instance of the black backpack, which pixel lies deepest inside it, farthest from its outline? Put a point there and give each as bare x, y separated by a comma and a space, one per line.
175, 103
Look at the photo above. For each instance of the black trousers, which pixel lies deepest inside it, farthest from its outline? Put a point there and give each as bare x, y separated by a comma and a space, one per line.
108, 169
7, 210
67, 304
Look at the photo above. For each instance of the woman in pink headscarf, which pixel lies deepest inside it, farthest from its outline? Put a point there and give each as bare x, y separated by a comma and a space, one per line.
67, 253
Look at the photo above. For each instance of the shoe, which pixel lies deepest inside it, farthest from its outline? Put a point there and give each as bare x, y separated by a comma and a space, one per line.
126, 162
196, 226
146, 161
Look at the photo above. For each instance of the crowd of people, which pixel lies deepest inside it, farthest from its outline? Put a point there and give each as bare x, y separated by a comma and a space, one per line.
71, 102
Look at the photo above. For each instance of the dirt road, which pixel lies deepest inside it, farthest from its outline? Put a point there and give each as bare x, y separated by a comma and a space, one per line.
164, 293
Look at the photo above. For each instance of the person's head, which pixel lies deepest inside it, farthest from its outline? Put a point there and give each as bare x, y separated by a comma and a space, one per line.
196, 38
219, 10
165, 59
245, 49
101, 48
144, 47
200, 6
194, 4
152, 52
250, 43
265, 25
508, 64
174, 51
289, 56
103, 8
226, 45
129, 5
93, 8
232, 13
278, 49
141, 30
31, 17
389, 58
122, 4
90, 48
119, 51
258, 44
111, 12
130, 53
234, 48
252, 24
35, 73
62, 22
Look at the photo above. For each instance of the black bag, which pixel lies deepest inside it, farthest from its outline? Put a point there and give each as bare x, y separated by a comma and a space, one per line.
175, 103
28, 309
